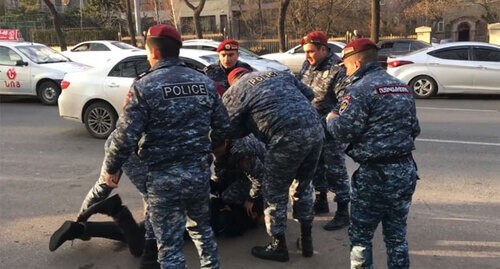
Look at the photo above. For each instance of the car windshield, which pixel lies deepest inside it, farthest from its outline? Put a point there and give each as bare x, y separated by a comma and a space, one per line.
248, 54
211, 59
42, 54
123, 45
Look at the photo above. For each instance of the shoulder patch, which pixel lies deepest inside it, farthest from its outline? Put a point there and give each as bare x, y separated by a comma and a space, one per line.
392, 89
344, 104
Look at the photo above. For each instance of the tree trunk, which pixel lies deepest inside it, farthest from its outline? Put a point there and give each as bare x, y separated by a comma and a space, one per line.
196, 16
57, 25
130, 22
281, 23
375, 22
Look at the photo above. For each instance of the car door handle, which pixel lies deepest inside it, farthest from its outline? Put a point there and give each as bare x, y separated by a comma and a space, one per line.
113, 85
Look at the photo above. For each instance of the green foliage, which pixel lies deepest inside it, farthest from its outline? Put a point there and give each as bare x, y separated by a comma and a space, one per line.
26, 7
73, 36
104, 12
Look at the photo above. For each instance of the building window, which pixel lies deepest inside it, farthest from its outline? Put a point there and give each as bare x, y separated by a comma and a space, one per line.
440, 26
208, 24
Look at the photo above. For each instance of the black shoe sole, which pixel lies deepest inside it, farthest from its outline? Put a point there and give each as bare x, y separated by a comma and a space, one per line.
266, 257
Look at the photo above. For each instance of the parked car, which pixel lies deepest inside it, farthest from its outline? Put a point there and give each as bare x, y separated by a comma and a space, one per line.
247, 56
95, 97
399, 46
95, 53
29, 68
295, 57
458, 67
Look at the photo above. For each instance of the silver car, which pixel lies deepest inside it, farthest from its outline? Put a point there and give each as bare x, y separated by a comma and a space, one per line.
459, 67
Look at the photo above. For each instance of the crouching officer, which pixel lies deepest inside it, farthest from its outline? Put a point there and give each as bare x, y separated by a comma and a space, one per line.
273, 106
322, 72
228, 60
176, 114
377, 116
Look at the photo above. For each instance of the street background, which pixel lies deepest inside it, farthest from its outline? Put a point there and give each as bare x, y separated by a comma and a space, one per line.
47, 165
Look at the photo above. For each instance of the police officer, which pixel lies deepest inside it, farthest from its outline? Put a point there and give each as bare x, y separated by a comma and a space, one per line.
228, 60
178, 115
321, 71
377, 116
274, 106
236, 185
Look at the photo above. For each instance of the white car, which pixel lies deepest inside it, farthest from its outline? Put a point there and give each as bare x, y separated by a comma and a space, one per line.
246, 56
458, 67
95, 97
28, 68
95, 53
295, 57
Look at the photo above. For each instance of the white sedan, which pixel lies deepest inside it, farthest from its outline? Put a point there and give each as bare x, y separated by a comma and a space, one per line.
295, 57
459, 67
246, 56
95, 97
95, 53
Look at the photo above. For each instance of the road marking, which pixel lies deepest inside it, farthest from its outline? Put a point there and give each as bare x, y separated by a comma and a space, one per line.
457, 109
458, 142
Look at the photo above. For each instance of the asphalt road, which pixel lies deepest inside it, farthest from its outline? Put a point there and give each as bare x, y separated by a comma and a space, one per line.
48, 164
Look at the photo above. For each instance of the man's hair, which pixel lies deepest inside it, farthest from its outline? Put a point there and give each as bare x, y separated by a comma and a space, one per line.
366, 56
168, 47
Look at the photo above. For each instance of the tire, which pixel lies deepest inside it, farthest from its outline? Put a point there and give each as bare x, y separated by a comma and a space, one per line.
100, 119
423, 87
48, 92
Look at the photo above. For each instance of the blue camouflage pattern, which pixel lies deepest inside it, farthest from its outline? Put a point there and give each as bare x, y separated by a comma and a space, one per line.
331, 173
218, 73
238, 174
377, 116
276, 108
177, 115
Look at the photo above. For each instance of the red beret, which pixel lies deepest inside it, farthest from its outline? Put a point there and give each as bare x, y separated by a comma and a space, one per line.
228, 45
236, 73
315, 37
356, 46
164, 30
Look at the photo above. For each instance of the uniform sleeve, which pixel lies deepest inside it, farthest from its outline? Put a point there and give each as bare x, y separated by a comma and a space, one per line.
220, 123
352, 118
129, 129
304, 89
415, 124
237, 111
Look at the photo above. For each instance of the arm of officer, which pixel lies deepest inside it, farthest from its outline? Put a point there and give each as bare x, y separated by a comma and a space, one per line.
220, 121
129, 129
351, 120
236, 109
415, 124
304, 89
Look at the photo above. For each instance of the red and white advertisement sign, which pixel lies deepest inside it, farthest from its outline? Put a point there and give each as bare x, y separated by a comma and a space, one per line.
10, 35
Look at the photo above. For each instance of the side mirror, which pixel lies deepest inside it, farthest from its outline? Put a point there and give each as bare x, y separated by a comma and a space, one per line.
21, 63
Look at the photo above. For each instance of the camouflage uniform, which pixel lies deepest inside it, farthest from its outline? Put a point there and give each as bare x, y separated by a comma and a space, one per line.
331, 173
238, 184
218, 74
275, 107
377, 116
174, 109
136, 171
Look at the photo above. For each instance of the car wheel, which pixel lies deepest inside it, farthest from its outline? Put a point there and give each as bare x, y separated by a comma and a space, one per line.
423, 87
48, 92
100, 119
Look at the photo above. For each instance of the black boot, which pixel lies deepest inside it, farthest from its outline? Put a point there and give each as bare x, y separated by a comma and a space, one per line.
341, 218
321, 204
305, 241
149, 256
276, 250
68, 231
109, 206
131, 231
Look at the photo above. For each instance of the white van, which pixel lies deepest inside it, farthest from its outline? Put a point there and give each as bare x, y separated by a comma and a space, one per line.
28, 68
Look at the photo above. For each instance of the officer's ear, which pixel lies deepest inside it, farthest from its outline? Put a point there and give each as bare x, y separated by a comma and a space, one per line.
155, 53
